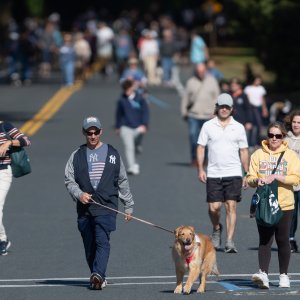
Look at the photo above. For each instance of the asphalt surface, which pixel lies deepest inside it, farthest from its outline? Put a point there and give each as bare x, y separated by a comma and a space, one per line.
46, 259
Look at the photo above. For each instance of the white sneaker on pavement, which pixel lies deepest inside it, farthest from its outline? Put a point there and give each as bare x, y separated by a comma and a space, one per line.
104, 284
134, 170
261, 279
284, 281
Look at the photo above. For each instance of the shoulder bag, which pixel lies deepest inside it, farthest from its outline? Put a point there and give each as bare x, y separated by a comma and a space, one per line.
20, 164
268, 212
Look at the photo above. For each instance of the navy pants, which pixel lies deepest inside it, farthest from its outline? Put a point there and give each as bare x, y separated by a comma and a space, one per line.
95, 233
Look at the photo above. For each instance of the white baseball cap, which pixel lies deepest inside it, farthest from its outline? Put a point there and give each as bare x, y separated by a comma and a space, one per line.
225, 99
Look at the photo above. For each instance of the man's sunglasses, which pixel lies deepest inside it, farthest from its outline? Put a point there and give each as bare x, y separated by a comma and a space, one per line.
90, 133
277, 136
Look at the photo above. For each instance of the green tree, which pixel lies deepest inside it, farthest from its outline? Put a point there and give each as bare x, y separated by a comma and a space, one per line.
272, 28
35, 7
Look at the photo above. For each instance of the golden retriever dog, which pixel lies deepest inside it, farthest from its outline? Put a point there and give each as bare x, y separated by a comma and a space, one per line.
195, 254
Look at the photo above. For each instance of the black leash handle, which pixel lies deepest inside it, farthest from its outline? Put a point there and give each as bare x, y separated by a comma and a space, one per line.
135, 218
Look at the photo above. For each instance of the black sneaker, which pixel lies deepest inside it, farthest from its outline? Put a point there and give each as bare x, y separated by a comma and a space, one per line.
4, 245
96, 282
294, 246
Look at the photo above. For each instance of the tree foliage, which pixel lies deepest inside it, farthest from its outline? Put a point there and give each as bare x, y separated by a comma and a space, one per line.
272, 28
35, 7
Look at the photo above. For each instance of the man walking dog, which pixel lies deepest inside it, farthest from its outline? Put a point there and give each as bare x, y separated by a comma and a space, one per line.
94, 176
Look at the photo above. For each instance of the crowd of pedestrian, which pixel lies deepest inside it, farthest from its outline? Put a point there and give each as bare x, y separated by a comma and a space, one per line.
34, 49
225, 121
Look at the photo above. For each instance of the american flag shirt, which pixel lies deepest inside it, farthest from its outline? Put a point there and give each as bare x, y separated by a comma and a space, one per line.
96, 162
7, 128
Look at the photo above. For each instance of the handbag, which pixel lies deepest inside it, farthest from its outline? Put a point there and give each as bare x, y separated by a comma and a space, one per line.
20, 163
268, 212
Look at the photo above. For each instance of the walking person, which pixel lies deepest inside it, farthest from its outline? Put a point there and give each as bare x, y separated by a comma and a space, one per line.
105, 42
198, 103
257, 97
293, 139
242, 109
17, 139
149, 55
95, 171
123, 49
227, 154
168, 49
132, 121
287, 174
199, 52
67, 60
136, 74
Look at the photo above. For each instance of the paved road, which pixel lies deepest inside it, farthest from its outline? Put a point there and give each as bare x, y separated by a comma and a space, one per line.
46, 260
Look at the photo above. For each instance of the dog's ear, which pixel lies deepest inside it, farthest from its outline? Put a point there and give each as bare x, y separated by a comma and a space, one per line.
177, 231
192, 229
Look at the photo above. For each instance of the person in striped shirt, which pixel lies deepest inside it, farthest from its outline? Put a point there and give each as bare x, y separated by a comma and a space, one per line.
9, 136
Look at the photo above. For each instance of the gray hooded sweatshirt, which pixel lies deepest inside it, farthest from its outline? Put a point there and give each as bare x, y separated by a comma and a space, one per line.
294, 144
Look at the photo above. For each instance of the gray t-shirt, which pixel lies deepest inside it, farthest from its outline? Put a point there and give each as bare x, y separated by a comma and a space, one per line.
96, 162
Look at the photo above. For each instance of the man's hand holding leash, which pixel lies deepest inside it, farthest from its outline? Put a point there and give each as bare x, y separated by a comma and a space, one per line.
85, 198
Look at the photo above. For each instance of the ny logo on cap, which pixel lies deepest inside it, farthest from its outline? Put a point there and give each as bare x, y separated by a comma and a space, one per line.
91, 119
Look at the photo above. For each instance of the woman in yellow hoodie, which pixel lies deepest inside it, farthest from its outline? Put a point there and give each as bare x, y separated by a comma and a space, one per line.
262, 162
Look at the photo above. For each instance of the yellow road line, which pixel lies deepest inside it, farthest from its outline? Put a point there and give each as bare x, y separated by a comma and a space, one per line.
55, 103
49, 109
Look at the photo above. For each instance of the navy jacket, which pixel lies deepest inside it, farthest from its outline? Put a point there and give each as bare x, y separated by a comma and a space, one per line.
242, 110
132, 113
107, 190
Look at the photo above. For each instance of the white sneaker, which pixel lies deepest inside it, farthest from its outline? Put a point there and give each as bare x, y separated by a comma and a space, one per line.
284, 281
134, 170
261, 279
104, 284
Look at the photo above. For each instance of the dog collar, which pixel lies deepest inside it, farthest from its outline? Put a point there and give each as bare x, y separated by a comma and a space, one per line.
189, 259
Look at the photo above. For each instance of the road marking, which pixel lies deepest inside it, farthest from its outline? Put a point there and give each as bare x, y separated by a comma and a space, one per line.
49, 109
160, 103
138, 277
233, 285
229, 286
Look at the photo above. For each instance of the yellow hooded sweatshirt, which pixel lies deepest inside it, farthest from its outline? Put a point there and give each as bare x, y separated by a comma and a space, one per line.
263, 161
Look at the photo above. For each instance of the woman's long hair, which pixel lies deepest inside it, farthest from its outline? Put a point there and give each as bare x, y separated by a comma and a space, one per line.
289, 119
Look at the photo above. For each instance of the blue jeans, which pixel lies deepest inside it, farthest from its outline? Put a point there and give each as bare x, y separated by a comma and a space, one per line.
95, 233
294, 222
68, 72
195, 126
167, 65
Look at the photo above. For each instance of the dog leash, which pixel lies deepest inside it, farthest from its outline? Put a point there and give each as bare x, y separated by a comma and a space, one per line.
135, 218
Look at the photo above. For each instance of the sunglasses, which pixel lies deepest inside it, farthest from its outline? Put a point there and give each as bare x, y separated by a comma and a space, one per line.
90, 133
224, 107
277, 136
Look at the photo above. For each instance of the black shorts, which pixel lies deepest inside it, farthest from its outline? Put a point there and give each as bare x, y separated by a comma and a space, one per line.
225, 188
